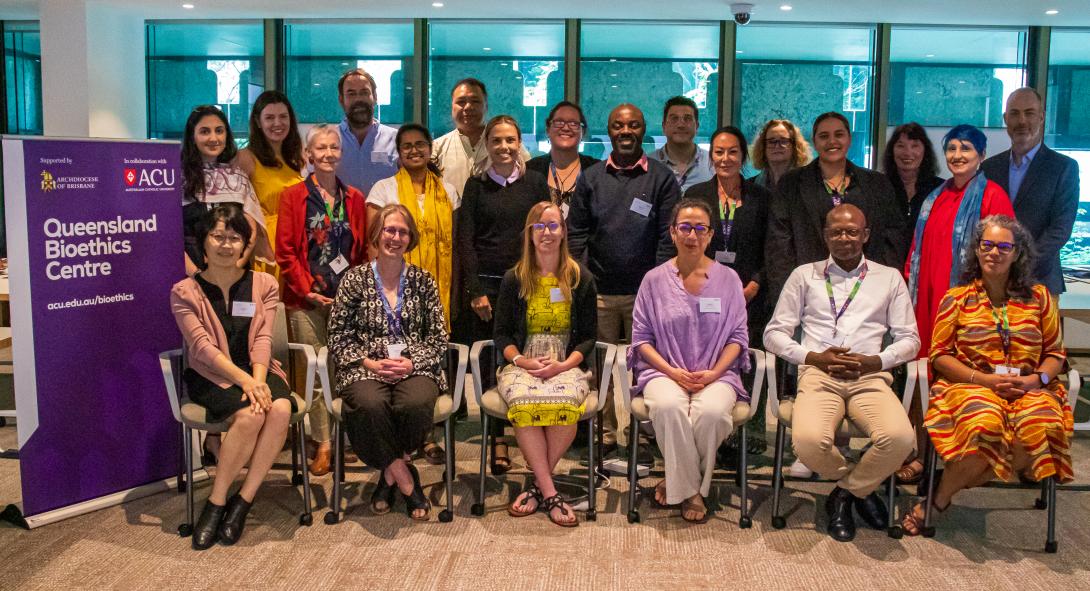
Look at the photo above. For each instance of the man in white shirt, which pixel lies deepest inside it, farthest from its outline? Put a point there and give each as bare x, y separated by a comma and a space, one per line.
846, 305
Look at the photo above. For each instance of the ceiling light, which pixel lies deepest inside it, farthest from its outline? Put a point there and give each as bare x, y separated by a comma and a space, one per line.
785, 7
437, 4
188, 6
1052, 12
738, 51
930, 55
613, 86
487, 48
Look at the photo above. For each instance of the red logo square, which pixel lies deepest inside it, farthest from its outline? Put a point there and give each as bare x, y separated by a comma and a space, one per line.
130, 176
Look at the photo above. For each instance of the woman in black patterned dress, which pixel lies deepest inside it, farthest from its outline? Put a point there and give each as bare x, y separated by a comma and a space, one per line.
387, 336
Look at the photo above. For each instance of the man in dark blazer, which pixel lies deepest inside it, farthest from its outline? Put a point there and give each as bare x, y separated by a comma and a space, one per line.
1043, 185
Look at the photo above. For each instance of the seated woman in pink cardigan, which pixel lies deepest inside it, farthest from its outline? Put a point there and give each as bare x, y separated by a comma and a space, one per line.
226, 317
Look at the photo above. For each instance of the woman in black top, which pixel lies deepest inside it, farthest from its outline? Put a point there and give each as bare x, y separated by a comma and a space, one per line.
740, 217
489, 235
910, 164
563, 165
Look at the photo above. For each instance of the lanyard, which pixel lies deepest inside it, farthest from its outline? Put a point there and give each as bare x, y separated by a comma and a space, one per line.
838, 194
317, 192
562, 196
393, 316
1004, 330
726, 215
847, 302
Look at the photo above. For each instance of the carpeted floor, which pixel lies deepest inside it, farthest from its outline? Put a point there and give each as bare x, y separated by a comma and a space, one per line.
991, 539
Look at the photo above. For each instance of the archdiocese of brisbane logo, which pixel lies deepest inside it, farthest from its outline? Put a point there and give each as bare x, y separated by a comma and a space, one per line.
48, 182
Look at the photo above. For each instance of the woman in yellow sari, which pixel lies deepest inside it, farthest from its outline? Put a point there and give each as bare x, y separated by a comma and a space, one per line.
418, 185
274, 158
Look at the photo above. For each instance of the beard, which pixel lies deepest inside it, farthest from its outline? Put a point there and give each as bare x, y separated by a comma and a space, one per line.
361, 113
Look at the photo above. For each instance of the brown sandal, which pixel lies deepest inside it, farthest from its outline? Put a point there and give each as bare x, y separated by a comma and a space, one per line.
434, 453
689, 505
532, 493
555, 501
910, 473
916, 522
661, 486
500, 464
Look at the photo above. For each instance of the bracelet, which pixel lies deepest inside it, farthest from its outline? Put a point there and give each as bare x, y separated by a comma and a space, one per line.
971, 376
515, 359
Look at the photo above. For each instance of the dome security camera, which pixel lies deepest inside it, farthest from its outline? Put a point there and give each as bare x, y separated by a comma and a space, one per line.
742, 12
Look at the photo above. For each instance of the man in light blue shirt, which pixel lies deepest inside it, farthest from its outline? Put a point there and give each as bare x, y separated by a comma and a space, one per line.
368, 148
689, 162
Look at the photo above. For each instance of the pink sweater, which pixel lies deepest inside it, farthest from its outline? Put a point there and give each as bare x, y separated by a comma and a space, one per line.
204, 336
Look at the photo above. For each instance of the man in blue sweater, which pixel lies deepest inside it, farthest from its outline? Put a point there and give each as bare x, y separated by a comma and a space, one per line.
619, 226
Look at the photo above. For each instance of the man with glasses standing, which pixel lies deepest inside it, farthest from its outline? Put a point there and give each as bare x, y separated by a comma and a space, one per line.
563, 165
846, 304
689, 162
368, 148
619, 226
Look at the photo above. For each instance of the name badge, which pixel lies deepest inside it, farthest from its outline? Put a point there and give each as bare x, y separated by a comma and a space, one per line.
555, 295
244, 309
339, 264
641, 207
380, 158
725, 257
834, 341
393, 350
1006, 370
711, 305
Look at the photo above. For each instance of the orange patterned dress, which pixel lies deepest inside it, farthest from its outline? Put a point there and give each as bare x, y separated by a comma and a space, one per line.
965, 419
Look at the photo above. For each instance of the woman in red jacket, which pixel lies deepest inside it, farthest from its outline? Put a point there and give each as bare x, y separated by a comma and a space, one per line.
320, 234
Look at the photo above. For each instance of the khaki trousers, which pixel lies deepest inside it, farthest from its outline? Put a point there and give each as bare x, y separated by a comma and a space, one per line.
870, 404
310, 327
614, 326
689, 430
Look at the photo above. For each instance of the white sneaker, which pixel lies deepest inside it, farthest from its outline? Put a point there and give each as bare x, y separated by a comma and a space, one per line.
799, 470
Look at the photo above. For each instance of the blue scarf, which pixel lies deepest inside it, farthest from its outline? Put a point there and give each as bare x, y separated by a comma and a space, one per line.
967, 217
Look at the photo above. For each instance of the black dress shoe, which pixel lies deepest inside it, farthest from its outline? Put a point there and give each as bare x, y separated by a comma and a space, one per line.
872, 510
839, 509
234, 520
206, 532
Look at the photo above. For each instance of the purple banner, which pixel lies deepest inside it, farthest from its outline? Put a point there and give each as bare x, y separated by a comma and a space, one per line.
104, 243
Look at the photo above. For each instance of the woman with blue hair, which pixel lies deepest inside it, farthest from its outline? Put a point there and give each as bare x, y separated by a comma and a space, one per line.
946, 222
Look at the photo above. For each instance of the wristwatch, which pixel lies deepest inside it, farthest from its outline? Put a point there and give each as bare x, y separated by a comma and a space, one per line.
1044, 378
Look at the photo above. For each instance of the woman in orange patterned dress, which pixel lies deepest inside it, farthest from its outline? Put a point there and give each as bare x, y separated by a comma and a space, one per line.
997, 409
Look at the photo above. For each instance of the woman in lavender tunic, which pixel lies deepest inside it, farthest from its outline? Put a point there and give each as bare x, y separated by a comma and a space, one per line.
689, 347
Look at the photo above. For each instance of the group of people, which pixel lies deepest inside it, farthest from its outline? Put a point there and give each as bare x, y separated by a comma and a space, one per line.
383, 244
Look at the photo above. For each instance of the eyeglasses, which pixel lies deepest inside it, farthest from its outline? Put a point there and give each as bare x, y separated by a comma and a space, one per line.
418, 146
986, 246
849, 232
391, 231
685, 228
778, 142
553, 227
561, 124
221, 239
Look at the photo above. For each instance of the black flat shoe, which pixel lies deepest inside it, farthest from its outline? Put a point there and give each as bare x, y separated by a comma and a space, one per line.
234, 520
416, 500
873, 511
206, 531
384, 493
838, 506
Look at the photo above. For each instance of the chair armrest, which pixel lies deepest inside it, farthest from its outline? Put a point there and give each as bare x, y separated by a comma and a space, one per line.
759, 372
624, 376
457, 389
312, 365
475, 366
1074, 384
912, 374
324, 377
608, 361
172, 382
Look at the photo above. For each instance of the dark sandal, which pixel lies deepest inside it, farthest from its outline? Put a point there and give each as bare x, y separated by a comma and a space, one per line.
689, 505
416, 500
500, 465
555, 501
532, 492
383, 493
655, 497
909, 473
434, 454
912, 525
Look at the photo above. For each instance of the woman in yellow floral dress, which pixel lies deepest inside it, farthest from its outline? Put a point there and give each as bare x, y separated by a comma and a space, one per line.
996, 409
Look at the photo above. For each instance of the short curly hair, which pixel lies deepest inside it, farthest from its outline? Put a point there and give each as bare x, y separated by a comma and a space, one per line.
1020, 281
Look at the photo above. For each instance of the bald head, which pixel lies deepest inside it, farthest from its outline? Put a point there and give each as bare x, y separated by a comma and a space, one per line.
846, 212
1025, 120
845, 234
634, 111
626, 129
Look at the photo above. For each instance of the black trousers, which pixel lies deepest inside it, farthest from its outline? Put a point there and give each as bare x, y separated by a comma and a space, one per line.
386, 421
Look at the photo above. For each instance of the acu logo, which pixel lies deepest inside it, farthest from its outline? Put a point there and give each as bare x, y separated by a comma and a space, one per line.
154, 177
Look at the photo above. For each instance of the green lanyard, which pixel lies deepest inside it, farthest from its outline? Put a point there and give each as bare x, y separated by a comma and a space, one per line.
329, 211
1004, 330
727, 221
838, 194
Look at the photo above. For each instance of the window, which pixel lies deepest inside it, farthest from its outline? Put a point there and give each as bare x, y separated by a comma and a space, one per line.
646, 63
521, 63
318, 53
207, 62
948, 76
1067, 124
798, 72
23, 70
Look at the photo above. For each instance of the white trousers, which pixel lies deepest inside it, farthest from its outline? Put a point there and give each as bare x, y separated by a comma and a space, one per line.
689, 430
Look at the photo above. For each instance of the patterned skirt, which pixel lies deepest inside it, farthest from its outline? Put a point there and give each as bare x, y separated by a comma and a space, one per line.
966, 419
533, 402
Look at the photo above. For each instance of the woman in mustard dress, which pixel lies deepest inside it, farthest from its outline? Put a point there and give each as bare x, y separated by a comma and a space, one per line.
274, 158
996, 409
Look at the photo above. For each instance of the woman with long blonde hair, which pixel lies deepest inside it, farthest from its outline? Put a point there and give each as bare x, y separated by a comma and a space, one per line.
546, 323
